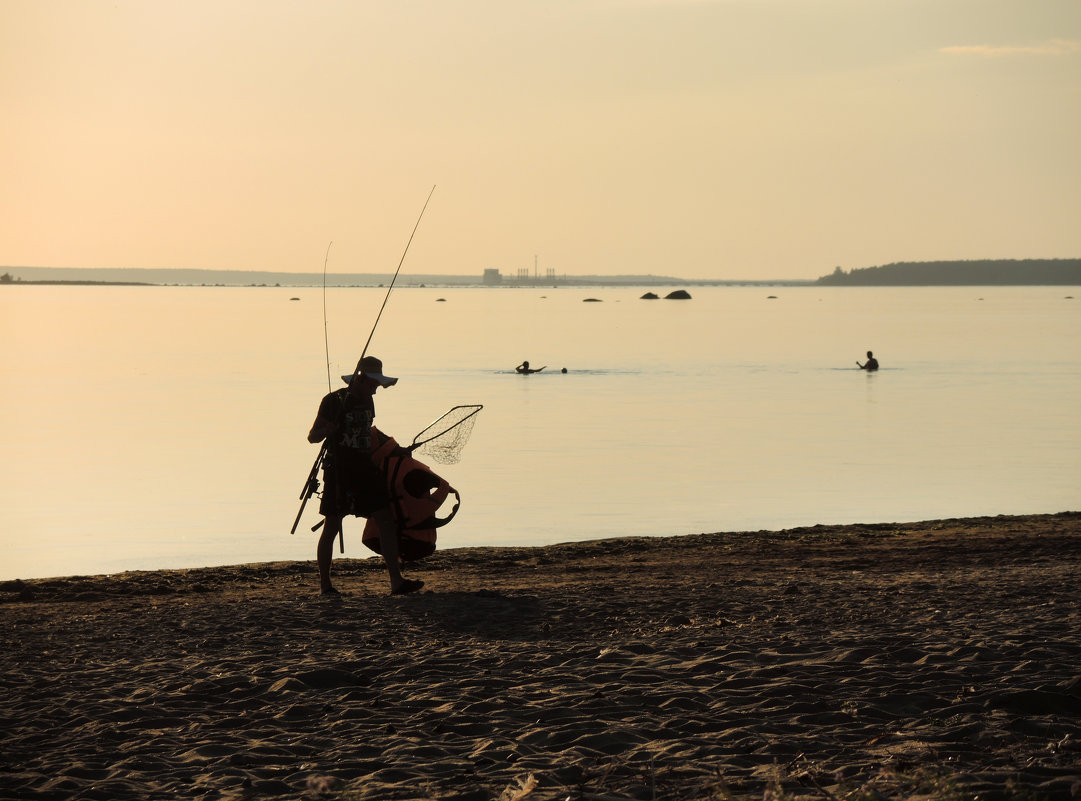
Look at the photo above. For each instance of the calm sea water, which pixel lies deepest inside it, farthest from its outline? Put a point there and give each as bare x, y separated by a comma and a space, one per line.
157, 427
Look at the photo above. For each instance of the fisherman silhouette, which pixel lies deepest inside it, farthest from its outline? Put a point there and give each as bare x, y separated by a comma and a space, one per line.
352, 485
870, 364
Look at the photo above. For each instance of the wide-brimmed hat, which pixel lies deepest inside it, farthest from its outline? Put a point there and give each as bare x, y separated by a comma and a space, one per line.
373, 368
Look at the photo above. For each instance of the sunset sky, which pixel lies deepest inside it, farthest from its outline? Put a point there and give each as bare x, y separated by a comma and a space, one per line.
718, 139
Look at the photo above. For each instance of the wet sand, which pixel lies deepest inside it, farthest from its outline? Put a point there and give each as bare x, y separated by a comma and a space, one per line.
938, 660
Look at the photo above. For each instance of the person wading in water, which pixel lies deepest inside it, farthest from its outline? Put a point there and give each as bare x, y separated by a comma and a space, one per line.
352, 484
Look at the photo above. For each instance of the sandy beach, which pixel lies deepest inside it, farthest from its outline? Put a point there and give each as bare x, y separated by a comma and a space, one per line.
930, 660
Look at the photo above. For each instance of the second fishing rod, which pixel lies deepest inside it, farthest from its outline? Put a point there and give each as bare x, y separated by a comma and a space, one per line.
311, 484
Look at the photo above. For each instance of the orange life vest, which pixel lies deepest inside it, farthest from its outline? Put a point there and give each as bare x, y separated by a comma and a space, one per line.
417, 496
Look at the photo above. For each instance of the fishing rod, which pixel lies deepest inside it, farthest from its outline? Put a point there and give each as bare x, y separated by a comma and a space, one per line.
392, 280
326, 337
311, 484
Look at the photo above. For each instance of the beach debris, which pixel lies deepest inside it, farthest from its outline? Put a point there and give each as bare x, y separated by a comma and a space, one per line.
592, 300
286, 684
519, 789
322, 785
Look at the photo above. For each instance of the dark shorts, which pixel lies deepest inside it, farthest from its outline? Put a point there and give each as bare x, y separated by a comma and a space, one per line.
361, 492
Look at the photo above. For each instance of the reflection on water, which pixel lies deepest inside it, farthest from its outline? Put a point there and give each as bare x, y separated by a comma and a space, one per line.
154, 427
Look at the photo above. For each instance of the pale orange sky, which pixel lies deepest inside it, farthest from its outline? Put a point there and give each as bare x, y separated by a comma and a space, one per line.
697, 139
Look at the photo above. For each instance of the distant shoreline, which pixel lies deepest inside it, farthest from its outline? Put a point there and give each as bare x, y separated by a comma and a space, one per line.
983, 272
583, 284
987, 272
80, 283
239, 278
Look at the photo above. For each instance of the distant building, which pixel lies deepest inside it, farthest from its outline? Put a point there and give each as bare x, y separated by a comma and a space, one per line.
492, 278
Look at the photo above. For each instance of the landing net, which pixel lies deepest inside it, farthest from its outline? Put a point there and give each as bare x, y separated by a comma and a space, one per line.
444, 439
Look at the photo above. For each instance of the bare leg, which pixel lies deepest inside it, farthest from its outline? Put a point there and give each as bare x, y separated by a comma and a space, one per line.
388, 545
324, 552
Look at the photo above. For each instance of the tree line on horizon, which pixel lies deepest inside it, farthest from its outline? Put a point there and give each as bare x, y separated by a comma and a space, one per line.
8, 278
979, 272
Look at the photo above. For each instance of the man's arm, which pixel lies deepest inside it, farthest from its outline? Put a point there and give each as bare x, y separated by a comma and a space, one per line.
326, 422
